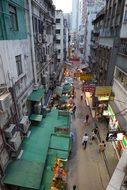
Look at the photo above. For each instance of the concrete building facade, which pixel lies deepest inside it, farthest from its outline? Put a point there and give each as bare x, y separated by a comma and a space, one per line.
27, 61
59, 40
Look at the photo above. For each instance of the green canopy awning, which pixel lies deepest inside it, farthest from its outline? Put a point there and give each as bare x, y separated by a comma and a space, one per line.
36, 95
24, 173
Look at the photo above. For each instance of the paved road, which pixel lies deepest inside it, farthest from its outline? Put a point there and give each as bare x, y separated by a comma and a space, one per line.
87, 168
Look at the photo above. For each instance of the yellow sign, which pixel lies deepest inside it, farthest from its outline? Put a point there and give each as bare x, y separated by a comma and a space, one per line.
86, 77
103, 91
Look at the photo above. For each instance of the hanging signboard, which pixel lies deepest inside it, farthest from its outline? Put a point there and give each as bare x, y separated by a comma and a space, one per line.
86, 77
115, 136
103, 91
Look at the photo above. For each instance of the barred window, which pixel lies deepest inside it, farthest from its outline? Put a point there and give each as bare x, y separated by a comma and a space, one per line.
19, 64
13, 18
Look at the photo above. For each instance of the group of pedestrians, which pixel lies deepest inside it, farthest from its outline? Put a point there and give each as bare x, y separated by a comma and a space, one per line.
94, 135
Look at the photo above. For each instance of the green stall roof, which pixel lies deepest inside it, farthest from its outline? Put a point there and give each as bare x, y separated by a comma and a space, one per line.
24, 173
60, 142
27, 172
36, 95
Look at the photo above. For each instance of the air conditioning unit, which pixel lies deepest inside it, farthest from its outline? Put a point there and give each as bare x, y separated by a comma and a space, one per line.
5, 101
35, 38
39, 38
36, 86
15, 141
44, 79
10, 131
24, 124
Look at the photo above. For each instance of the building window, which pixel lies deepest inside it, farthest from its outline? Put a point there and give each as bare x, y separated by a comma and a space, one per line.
58, 41
121, 77
125, 16
57, 31
58, 20
13, 18
58, 60
59, 50
19, 64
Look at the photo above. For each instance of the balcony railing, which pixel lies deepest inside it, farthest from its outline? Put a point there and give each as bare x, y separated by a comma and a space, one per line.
123, 46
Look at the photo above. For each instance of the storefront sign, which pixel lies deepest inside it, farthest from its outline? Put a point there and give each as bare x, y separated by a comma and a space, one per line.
89, 88
86, 77
103, 98
61, 130
103, 91
105, 113
115, 136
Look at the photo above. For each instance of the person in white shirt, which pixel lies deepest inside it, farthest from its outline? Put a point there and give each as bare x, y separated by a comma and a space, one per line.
85, 140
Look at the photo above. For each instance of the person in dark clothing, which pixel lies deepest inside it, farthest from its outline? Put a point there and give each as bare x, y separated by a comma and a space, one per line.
87, 118
81, 96
74, 187
95, 130
74, 109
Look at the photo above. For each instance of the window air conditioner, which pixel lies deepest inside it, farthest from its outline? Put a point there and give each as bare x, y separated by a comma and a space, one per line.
39, 37
5, 101
10, 131
36, 86
24, 124
15, 141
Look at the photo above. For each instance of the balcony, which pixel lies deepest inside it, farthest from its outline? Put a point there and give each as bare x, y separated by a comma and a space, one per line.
123, 47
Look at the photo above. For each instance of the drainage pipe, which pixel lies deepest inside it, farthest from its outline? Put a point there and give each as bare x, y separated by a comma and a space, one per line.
32, 43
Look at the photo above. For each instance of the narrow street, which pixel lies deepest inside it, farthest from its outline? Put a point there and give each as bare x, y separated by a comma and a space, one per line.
87, 168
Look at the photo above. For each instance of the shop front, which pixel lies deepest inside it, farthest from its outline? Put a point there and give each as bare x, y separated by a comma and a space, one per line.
117, 124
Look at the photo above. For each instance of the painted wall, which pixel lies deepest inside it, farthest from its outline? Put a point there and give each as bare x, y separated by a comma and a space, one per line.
6, 33
10, 49
23, 82
123, 32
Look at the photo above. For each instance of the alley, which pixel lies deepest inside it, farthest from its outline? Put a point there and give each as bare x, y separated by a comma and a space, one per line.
87, 168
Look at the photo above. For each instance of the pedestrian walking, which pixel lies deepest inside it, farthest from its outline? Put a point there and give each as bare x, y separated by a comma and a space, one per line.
87, 118
85, 140
74, 187
72, 135
93, 135
81, 96
102, 146
74, 110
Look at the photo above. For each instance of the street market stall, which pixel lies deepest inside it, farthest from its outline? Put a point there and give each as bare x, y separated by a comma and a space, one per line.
59, 181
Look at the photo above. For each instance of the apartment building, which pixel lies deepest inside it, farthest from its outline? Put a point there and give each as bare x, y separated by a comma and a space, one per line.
107, 46
93, 7
108, 61
27, 60
120, 84
42, 28
16, 76
59, 41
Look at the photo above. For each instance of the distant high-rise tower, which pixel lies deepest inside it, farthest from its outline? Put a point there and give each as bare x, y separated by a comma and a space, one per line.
75, 9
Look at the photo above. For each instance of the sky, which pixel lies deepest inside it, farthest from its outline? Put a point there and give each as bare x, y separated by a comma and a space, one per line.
64, 5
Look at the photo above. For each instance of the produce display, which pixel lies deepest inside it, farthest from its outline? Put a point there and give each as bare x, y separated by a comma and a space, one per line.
60, 175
